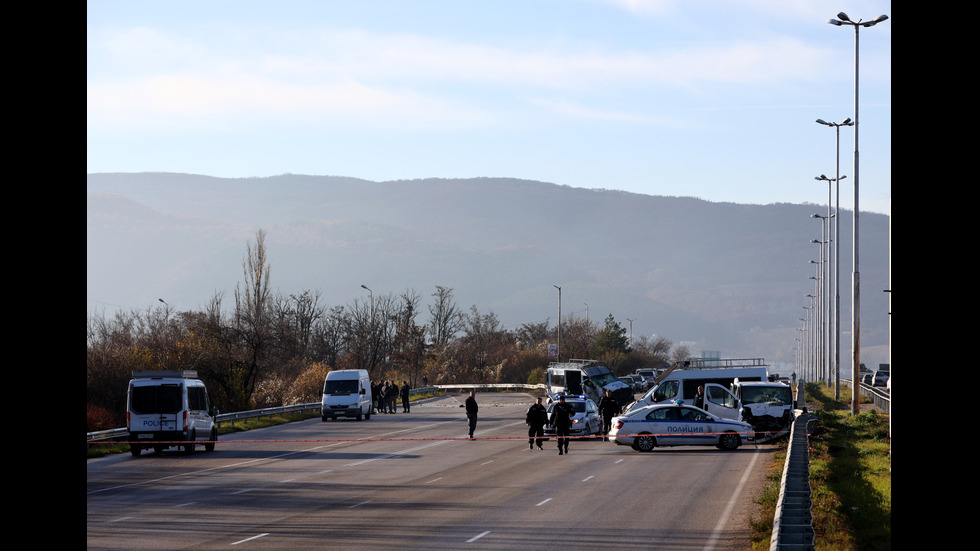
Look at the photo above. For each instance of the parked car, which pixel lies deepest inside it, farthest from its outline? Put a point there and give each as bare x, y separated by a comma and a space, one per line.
881, 378
639, 383
629, 381
586, 421
676, 424
868, 379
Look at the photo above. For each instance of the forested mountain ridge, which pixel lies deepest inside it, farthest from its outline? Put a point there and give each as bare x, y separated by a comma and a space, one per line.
730, 277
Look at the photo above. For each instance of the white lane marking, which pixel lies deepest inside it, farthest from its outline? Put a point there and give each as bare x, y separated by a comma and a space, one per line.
474, 538
731, 503
434, 480
588, 477
184, 504
251, 538
543, 502
359, 504
120, 519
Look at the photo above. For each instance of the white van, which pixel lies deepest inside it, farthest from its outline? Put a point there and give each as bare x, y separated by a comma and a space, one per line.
577, 377
346, 393
169, 408
682, 384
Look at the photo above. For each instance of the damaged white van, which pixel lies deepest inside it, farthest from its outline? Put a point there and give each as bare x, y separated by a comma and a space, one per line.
169, 408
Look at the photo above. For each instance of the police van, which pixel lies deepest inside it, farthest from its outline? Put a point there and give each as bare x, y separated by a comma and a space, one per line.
169, 408
682, 380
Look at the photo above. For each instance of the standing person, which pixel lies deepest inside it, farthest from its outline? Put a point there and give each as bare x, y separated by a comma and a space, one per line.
699, 397
471, 409
608, 408
374, 396
393, 397
535, 419
386, 404
561, 418
405, 390
379, 396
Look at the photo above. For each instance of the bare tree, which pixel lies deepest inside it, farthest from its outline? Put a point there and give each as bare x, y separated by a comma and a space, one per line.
447, 319
408, 347
484, 345
252, 319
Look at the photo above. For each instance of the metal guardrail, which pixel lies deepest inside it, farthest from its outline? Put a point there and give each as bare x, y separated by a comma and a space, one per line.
122, 433
792, 527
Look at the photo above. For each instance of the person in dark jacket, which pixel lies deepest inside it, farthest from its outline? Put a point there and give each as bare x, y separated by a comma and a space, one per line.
535, 419
471, 409
699, 397
561, 419
608, 408
392, 397
405, 391
380, 394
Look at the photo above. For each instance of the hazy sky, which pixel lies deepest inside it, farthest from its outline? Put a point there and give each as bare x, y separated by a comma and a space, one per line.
715, 99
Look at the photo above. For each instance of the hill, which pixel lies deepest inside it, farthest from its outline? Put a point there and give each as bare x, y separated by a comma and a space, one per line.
725, 276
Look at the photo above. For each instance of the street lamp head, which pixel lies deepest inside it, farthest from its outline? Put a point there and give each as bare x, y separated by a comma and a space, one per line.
843, 16
847, 122
365, 287
875, 21
834, 22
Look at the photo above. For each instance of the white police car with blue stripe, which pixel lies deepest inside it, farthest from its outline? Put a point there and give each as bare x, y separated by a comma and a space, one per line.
676, 424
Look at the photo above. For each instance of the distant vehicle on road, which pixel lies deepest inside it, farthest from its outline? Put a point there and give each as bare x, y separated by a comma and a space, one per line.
868, 379
629, 381
880, 379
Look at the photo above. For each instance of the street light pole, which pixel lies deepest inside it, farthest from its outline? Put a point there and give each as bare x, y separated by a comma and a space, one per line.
824, 295
856, 273
371, 295
558, 350
836, 262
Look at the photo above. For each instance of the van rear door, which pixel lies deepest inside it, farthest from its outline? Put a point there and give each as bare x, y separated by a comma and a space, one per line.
156, 408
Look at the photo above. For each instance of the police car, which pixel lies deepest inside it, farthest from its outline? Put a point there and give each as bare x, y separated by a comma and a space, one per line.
676, 424
586, 421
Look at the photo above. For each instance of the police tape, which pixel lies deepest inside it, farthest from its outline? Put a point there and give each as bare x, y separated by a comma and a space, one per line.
747, 435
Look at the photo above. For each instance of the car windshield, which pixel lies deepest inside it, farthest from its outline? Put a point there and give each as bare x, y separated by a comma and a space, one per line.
577, 407
781, 394
603, 379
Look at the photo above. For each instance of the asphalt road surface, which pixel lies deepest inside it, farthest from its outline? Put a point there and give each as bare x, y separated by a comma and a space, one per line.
416, 481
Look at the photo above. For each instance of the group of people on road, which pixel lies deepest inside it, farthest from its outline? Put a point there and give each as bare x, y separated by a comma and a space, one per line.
561, 418
537, 417
386, 395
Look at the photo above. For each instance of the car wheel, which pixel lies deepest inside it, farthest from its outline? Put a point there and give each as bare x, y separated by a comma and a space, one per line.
729, 441
645, 442
134, 449
209, 447
189, 448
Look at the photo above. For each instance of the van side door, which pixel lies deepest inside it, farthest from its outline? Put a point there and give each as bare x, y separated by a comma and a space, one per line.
721, 402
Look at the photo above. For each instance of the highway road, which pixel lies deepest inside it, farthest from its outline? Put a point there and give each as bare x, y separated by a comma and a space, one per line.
415, 481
